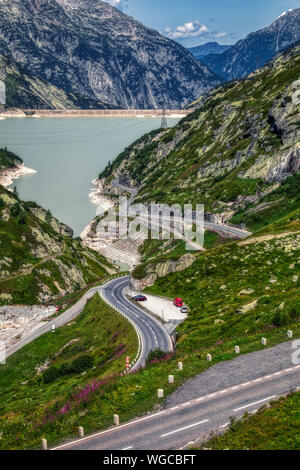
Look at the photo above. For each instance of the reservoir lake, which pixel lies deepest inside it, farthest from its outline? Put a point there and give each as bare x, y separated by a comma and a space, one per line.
68, 154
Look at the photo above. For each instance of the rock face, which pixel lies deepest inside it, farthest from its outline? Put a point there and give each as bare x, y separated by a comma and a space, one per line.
234, 153
39, 259
25, 90
17, 321
92, 49
257, 48
161, 269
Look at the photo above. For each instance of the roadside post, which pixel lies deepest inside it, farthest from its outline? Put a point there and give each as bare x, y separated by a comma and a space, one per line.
127, 363
116, 420
44, 444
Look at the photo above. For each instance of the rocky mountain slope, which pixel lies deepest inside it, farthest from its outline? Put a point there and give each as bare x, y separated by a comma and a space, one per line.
238, 153
39, 259
209, 48
25, 90
257, 48
91, 49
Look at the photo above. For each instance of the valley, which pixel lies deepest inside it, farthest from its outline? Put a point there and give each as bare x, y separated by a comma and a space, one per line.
95, 106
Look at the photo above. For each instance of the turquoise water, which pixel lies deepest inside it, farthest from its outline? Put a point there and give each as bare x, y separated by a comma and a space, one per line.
68, 154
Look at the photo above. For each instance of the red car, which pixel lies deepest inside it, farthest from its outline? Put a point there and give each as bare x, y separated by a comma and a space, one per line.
178, 302
139, 298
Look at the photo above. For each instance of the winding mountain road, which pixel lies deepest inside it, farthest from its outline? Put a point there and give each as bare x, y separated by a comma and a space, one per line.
204, 403
152, 334
60, 320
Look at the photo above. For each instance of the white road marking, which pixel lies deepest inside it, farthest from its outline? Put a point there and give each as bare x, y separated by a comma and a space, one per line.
174, 408
255, 403
186, 427
127, 448
186, 404
110, 430
224, 425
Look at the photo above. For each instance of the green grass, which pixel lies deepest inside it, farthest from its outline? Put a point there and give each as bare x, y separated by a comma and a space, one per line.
216, 288
281, 206
236, 266
37, 256
272, 428
99, 333
204, 158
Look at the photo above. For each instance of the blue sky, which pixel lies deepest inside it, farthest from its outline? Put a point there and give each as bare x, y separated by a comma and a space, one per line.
193, 22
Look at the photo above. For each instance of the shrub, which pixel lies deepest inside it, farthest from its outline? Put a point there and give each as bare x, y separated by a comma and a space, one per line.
155, 355
139, 272
78, 365
16, 210
82, 363
50, 374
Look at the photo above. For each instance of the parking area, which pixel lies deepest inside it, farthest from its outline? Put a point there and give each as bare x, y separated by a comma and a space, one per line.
161, 307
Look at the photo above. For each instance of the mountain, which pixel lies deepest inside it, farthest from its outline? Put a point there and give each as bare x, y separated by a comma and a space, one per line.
25, 90
238, 153
92, 49
209, 48
257, 48
39, 259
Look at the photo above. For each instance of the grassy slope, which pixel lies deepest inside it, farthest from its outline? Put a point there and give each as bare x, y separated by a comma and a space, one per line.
213, 286
214, 324
273, 428
267, 270
100, 333
212, 155
39, 259
135, 394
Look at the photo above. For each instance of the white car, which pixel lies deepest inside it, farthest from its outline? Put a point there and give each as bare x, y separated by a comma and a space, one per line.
184, 309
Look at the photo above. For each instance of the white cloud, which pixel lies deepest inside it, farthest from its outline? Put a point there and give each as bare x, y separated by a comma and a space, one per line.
220, 35
188, 30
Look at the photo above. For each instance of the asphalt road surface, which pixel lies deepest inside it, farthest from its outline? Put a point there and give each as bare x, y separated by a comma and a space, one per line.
153, 335
228, 229
189, 420
60, 320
